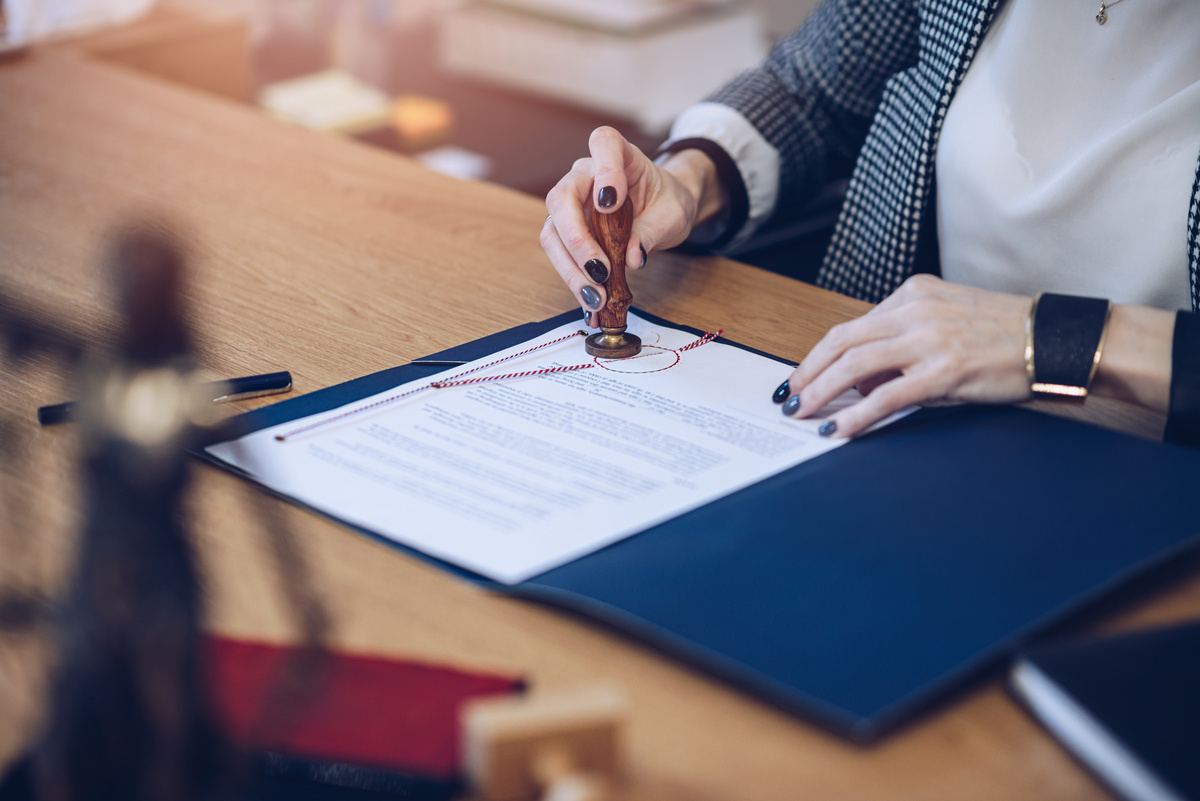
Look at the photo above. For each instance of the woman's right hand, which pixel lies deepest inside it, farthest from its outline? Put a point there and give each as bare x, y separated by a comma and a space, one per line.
666, 200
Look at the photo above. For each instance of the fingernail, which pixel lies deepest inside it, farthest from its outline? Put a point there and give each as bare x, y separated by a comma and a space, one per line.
792, 406
828, 428
596, 270
608, 196
590, 296
644, 256
587, 318
781, 393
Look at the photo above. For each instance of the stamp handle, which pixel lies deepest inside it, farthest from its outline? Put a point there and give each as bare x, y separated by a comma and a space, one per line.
612, 231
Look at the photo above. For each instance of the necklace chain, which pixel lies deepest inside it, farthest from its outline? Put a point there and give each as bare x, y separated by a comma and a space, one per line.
1102, 16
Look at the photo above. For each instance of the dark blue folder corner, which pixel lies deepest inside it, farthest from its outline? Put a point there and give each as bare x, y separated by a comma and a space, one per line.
860, 587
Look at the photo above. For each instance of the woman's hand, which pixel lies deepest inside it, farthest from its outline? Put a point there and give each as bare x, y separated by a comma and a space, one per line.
928, 341
667, 202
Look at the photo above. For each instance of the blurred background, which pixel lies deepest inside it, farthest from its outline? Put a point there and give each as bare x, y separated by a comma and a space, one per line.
500, 90
506, 90
503, 90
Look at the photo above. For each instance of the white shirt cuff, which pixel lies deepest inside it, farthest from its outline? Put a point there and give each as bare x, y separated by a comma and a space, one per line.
756, 159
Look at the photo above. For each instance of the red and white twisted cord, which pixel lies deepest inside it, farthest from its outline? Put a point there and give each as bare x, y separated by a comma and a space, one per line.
459, 381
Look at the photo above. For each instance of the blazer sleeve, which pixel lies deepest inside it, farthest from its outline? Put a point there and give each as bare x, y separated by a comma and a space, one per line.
1183, 415
814, 97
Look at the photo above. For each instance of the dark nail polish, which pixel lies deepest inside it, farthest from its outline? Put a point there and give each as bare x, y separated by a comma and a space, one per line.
608, 196
596, 270
781, 393
587, 318
792, 406
590, 296
644, 256
828, 428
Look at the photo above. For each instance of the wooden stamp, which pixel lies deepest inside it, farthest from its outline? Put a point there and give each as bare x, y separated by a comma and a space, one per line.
612, 232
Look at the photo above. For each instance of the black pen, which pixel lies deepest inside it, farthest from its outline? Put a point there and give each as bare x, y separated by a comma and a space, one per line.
234, 389
438, 362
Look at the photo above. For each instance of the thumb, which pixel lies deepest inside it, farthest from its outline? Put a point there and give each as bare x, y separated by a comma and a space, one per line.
610, 186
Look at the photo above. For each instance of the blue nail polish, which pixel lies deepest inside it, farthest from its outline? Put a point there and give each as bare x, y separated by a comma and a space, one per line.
608, 196
596, 270
644, 256
792, 406
828, 428
590, 297
781, 393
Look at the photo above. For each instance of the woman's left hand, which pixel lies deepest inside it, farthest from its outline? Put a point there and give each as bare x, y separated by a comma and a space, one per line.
928, 341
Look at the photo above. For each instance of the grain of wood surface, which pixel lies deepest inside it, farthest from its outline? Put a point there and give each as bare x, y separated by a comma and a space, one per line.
332, 260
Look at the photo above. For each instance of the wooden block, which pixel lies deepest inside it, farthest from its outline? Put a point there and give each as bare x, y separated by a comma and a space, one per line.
565, 743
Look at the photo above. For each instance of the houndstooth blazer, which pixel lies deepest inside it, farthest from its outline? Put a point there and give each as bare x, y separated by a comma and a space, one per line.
863, 87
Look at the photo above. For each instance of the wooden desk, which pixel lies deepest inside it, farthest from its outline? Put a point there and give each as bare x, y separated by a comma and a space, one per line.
182, 42
332, 260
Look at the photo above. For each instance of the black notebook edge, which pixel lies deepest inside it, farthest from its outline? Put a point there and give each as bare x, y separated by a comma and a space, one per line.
1083, 736
1081, 733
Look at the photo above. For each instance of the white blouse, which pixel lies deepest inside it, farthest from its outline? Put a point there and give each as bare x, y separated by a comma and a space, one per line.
1068, 154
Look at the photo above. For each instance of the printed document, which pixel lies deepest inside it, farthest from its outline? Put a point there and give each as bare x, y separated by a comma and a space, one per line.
510, 478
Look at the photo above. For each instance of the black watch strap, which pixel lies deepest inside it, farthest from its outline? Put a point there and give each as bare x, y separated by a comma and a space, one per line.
1067, 339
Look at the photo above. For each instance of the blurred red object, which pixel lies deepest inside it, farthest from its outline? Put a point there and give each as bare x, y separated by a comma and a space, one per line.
370, 711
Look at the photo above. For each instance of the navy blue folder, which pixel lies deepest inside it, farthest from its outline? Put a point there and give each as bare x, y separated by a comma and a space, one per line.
863, 585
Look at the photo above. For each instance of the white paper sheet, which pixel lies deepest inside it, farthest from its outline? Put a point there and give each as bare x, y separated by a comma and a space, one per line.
510, 479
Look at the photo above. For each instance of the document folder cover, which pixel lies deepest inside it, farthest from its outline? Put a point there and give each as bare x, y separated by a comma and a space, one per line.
861, 586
